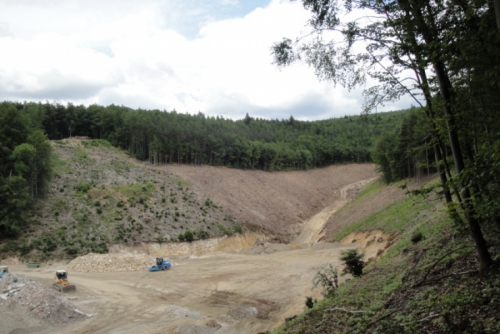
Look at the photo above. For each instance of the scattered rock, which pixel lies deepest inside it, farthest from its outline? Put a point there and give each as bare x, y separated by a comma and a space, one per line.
38, 301
112, 262
181, 312
243, 312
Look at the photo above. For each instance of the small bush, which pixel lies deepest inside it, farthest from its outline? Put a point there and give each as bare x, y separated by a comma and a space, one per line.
309, 302
225, 230
202, 234
120, 204
83, 187
416, 237
101, 248
71, 250
97, 203
352, 259
181, 237
189, 235
328, 278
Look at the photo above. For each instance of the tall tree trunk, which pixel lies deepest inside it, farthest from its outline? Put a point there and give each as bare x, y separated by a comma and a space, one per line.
427, 28
496, 4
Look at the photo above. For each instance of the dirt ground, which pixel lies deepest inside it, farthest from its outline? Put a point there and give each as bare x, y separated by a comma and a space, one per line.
277, 202
217, 293
249, 289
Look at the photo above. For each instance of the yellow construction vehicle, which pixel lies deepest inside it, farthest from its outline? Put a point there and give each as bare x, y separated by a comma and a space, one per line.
61, 282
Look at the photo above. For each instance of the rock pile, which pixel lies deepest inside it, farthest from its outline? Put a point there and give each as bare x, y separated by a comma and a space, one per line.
113, 262
35, 300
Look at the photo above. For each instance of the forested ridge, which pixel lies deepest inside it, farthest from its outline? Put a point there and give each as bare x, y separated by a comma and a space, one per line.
162, 137
171, 137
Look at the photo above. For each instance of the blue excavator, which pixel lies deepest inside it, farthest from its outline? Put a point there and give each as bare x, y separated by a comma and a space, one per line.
161, 264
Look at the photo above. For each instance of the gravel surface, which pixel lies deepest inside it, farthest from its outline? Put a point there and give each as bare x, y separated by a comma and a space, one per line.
100, 263
36, 301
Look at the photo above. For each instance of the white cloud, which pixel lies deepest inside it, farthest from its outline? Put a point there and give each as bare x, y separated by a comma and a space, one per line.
140, 54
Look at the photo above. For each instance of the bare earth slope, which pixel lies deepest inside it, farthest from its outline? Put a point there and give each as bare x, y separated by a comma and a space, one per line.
277, 202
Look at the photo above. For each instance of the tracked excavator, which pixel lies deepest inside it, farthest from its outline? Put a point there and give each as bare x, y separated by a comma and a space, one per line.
61, 282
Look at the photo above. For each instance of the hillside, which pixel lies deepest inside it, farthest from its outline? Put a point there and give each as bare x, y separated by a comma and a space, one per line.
421, 274
426, 280
99, 196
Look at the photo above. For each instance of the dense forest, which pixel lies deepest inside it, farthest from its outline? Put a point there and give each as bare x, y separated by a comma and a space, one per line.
24, 168
170, 137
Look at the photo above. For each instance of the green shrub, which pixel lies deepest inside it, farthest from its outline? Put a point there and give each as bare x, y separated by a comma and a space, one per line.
416, 237
352, 259
120, 204
24, 249
181, 237
309, 302
202, 234
83, 187
189, 235
100, 248
71, 250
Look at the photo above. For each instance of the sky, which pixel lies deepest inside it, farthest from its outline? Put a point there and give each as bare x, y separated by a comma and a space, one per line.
209, 56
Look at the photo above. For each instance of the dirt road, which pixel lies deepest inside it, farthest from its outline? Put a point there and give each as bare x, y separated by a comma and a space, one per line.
313, 229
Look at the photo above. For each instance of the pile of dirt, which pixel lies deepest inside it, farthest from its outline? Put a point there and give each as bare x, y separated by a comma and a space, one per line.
139, 258
36, 302
100, 263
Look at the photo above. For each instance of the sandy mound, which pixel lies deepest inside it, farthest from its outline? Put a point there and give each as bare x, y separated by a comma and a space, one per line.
100, 263
36, 302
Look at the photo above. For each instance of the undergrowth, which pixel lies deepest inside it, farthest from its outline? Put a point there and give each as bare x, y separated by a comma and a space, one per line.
428, 282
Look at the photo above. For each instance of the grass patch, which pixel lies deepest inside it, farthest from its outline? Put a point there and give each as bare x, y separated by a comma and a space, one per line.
370, 190
396, 217
135, 190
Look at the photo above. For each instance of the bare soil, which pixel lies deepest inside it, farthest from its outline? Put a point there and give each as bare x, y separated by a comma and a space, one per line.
243, 284
276, 202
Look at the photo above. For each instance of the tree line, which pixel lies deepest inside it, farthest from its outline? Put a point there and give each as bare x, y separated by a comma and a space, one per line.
170, 137
24, 167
